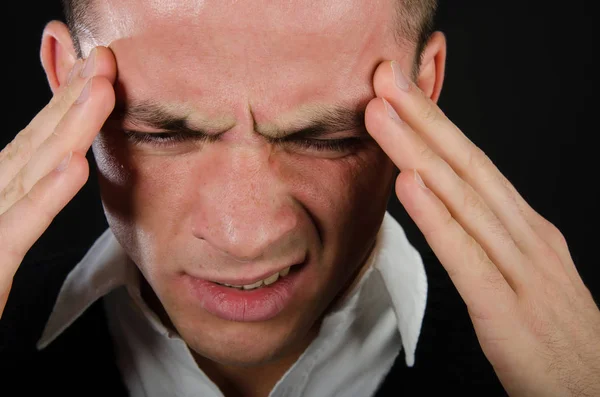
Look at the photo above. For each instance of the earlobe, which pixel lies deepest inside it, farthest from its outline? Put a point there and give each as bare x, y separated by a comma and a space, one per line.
433, 66
57, 54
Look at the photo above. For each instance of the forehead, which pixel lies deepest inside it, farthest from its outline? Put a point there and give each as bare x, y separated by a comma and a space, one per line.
226, 56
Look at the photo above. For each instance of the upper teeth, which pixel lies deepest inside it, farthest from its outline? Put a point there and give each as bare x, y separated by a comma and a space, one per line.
267, 281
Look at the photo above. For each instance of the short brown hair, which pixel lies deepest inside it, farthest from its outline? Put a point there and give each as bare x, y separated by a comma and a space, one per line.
415, 20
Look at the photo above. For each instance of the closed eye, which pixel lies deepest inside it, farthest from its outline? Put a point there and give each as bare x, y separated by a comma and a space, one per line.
171, 139
333, 145
165, 139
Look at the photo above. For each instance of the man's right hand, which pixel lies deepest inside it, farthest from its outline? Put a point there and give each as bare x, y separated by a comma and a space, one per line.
43, 168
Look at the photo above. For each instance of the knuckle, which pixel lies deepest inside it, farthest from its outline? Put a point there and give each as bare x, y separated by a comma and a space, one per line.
426, 153
550, 256
481, 258
429, 113
493, 279
512, 199
18, 150
554, 235
14, 191
481, 315
497, 229
36, 203
537, 317
60, 102
448, 220
478, 159
472, 251
24, 148
473, 203
552, 243
6, 153
11, 252
438, 231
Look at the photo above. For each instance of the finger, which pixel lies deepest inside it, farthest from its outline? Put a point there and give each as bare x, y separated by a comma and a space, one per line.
469, 162
477, 279
23, 224
101, 62
17, 153
408, 151
75, 132
475, 167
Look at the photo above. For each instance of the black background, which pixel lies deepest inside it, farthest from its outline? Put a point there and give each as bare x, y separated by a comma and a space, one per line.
519, 82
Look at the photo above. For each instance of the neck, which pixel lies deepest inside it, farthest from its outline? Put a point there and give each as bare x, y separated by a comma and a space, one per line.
255, 381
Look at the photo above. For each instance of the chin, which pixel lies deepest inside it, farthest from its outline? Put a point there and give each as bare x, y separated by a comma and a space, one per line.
243, 344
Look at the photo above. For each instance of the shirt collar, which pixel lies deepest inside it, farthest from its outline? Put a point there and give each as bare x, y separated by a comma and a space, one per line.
106, 266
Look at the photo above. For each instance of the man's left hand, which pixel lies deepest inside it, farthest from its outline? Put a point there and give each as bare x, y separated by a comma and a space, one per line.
535, 319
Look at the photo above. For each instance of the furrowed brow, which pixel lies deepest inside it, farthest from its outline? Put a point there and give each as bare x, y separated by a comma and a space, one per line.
315, 122
148, 114
308, 123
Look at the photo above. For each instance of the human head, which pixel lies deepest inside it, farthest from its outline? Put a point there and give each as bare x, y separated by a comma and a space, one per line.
248, 200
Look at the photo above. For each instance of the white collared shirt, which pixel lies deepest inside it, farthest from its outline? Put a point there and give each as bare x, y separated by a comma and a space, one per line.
355, 349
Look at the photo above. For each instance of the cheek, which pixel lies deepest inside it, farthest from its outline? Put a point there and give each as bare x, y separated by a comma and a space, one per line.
346, 197
134, 182
142, 195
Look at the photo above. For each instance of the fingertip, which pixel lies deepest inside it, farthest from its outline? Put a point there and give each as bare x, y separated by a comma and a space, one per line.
106, 64
411, 194
383, 80
371, 114
77, 171
375, 115
82, 170
404, 181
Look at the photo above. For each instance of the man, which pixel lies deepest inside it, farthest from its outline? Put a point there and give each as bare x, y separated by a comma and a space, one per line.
246, 156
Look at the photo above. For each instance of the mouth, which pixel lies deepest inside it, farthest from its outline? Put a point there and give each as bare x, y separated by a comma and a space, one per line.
272, 279
257, 301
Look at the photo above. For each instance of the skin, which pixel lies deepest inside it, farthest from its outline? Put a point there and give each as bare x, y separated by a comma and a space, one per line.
226, 208
535, 319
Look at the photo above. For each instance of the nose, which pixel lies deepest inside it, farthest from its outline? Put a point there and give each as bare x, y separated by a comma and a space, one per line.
243, 209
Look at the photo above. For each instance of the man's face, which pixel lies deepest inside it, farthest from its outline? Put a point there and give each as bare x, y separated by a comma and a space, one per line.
255, 197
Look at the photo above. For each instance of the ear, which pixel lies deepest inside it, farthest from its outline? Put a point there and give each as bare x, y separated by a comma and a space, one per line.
57, 54
433, 66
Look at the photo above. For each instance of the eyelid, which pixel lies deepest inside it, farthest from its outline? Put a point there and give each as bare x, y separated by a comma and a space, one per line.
334, 136
139, 132
298, 135
167, 140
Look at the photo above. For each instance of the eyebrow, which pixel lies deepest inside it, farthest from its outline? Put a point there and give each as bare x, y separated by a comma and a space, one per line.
148, 114
315, 121
311, 121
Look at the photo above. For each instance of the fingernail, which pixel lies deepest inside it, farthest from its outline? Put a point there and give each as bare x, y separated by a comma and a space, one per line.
65, 162
399, 76
85, 93
74, 71
391, 112
90, 65
419, 180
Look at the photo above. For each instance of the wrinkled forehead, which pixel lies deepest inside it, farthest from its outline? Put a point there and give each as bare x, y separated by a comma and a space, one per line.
307, 50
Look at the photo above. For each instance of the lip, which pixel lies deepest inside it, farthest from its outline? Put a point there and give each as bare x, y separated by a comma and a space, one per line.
252, 280
260, 304
248, 280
